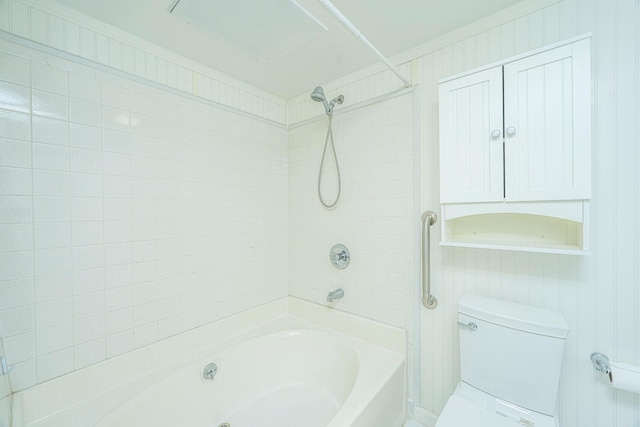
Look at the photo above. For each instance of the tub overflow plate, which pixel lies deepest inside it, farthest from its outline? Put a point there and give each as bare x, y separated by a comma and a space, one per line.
209, 372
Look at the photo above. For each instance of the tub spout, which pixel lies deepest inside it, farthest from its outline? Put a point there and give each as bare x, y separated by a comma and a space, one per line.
334, 295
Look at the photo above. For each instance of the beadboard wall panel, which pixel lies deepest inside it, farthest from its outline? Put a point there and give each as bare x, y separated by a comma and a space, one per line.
599, 294
48, 24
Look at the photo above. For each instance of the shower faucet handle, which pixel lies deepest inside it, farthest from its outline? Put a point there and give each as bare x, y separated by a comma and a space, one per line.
339, 256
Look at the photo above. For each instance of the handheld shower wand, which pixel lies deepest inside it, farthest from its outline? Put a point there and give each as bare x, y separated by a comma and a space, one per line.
318, 96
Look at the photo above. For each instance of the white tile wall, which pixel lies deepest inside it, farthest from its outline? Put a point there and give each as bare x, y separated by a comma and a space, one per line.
373, 217
127, 214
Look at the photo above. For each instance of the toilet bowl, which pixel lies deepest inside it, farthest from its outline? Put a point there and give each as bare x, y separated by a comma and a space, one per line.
510, 364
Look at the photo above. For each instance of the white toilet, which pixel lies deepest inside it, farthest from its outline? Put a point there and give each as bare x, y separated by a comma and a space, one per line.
510, 361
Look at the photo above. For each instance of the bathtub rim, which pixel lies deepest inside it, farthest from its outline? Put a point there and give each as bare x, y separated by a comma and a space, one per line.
76, 388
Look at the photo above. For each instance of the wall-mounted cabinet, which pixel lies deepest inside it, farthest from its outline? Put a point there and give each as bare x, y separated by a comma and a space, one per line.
515, 148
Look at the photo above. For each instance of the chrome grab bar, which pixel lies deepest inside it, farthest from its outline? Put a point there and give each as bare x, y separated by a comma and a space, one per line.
428, 300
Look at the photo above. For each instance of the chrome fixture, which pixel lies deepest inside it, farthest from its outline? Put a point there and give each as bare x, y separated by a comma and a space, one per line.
210, 371
471, 325
601, 363
4, 368
428, 300
339, 256
318, 96
334, 295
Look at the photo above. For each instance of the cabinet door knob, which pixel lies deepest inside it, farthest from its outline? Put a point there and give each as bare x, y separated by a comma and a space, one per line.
511, 130
495, 133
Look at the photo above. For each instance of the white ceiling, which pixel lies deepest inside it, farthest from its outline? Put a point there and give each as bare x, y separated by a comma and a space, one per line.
393, 26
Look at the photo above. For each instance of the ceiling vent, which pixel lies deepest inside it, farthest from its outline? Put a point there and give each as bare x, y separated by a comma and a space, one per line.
266, 29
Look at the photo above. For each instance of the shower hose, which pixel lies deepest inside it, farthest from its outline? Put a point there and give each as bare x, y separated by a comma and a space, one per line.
335, 157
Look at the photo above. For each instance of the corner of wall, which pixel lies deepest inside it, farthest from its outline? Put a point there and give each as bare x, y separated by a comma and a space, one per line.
359, 87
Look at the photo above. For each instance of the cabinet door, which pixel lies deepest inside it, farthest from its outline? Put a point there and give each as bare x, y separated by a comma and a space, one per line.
471, 159
547, 106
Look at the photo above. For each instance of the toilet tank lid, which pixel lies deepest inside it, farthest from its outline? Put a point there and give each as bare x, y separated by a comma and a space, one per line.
513, 315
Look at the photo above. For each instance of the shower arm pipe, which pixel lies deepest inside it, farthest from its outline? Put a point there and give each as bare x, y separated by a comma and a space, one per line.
331, 8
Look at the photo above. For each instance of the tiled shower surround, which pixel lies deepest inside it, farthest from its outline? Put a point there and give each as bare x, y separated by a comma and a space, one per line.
132, 213
129, 213
373, 217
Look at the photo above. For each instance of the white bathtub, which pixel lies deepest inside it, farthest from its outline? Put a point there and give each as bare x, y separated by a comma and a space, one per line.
285, 364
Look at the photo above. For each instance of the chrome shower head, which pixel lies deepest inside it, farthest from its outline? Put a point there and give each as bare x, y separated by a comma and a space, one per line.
318, 95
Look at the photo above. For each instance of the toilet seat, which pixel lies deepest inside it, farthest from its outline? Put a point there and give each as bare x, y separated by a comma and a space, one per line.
460, 412
470, 407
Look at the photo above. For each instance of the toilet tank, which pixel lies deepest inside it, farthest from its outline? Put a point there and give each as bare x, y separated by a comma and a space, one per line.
512, 351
